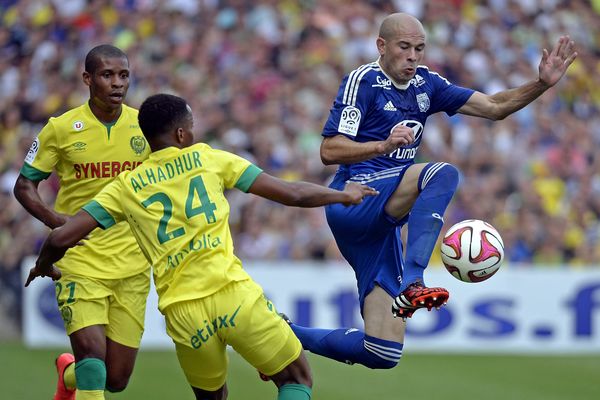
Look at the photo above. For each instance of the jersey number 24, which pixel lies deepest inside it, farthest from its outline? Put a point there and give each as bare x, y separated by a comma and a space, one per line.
206, 207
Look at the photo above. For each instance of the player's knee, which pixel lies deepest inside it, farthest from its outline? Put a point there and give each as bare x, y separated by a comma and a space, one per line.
380, 354
302, 377
219, 394
441, 175
118, 386
90, 374
377, 362
305, 378
117, 379
297, 372
448, 174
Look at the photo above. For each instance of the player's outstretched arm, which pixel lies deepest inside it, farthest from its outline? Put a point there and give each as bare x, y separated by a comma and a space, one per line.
26, 193
58, 242
306, 194
552, 67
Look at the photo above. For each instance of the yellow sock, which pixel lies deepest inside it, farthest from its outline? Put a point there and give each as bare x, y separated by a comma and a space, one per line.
69, 376
89, 394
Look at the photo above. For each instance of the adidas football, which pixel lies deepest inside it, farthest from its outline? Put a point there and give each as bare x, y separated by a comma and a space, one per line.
472, 250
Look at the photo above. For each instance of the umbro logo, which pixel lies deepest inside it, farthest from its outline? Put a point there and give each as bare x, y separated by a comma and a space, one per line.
389, 106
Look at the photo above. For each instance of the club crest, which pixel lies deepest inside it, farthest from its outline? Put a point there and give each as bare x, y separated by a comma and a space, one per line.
67, 315
138, 144
423, 102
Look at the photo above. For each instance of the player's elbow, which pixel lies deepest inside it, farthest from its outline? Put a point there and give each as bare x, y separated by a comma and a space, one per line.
493, 113
498, 117
497, 111
327, 153
20, 188
296, 198
328, 156
17, 192
55, 240
301, 194
326, 160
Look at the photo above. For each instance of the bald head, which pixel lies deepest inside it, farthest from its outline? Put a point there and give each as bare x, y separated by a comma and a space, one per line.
401, 45
400, 23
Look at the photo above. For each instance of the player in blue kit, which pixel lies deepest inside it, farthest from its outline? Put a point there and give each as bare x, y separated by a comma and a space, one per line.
374, 131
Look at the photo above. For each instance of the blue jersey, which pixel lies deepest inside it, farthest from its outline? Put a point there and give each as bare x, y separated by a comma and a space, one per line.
368, 106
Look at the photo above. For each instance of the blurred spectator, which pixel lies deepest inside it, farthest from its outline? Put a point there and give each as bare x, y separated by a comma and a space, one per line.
260, 76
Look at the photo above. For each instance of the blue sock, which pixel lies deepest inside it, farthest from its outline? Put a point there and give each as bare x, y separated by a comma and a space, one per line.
437, 184
350, 346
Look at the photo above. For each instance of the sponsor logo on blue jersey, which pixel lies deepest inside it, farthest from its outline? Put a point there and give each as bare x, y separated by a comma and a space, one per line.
368, 106
408, 153
383, 83
417, 81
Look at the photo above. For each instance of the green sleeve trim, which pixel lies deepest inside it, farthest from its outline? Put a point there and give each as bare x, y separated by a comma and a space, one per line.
99, 213
248, 177
33, 174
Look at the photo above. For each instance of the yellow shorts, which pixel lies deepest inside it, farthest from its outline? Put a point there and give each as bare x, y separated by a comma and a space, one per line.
118, 304
238, 315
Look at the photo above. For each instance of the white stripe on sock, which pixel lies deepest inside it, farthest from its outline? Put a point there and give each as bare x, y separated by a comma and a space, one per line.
395, 357
431, 172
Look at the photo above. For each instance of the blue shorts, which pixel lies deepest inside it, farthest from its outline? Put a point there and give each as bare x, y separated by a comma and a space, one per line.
368, 238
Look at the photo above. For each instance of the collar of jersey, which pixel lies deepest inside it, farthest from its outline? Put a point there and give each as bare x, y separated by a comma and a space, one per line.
396, 84
163, 153
91, 115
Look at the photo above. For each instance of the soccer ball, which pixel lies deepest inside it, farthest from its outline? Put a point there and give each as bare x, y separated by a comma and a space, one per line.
472, 250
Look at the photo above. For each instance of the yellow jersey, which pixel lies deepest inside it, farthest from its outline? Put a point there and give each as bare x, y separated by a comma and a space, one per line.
176, 207
87, 155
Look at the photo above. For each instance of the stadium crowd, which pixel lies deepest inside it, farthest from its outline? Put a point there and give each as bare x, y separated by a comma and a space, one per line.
261, 77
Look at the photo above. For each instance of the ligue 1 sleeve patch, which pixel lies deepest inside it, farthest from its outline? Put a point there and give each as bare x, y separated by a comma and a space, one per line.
33, 150
349, 121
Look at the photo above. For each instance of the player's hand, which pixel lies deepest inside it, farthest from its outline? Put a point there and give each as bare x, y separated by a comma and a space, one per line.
400, 136
36, 271
554, 64
357, 192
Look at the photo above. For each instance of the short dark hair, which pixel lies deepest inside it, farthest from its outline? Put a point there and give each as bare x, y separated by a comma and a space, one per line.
92, 59
161, 113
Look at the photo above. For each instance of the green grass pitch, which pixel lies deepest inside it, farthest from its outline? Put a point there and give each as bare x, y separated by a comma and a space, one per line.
29, 374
